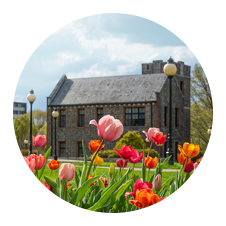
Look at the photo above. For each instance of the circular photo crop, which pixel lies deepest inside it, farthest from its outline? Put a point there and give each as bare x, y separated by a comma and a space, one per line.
112, 113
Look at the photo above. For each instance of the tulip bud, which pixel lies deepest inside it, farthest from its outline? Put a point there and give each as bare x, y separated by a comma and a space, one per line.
189, 167
111, 170
121, 163
158, 183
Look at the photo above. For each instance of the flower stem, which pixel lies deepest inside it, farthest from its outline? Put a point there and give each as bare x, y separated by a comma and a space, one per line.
91, 163
150, 148
133, 171
182, 172
36, 172
148, 174
65, 187
50, 173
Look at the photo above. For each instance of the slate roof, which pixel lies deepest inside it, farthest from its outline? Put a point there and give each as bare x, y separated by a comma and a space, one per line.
105, 90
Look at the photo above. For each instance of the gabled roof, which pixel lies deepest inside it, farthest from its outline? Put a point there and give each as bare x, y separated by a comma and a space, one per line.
106, 90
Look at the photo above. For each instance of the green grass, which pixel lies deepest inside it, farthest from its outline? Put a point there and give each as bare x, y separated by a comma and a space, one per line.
138, 165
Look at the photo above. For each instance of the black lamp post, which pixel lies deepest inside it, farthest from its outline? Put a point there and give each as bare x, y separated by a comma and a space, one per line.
26, 142
209, 130
170, 70
55, 114
31, 98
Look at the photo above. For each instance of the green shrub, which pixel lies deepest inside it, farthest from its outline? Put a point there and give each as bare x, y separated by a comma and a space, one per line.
26, 152
131, 139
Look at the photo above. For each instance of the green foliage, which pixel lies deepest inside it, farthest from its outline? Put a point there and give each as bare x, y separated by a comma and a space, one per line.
26, 151
44, 129
39, 118
131, 139
201, 108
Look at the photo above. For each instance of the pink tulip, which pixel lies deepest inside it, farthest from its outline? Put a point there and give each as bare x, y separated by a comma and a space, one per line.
66, 171
139, 184
135, 158
121, 163
158, 182
151, 133
31, 164
126, 152
189, 167
39, 160
39, 140
108, 128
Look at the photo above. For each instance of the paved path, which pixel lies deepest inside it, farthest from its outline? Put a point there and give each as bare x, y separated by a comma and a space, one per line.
136, 168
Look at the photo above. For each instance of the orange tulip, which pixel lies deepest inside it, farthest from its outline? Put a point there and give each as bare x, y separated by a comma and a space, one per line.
181, 159
145, 198
94, 145
68, 186
150, 163
189, 150
53, 164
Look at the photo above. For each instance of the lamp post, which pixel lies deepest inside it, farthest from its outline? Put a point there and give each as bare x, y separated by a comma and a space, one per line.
55, 114
31, 98
209, 130
26, 142
170, 70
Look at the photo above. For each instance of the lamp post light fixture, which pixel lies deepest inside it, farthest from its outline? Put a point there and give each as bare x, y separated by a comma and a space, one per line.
209, 130
31, 98
55, 114
170, 70
26, 142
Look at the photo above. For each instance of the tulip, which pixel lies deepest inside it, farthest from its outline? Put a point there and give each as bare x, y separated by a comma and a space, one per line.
94, 145
68, 186
66, 171
53, 164
39, 140
196, 165
145, 198
121, 163
45, 184
189, 150
199, 160
104, 180
189, 167
135, 158
126, 152
181, 159
111, 170
89, 177
151, 132
150, 163
98, 160
39, 160
31, 163
158, 182
159, 139
109, 128
139, 184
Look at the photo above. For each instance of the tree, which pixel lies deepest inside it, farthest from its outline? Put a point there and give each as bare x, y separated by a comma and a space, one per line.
201, 108
39, 118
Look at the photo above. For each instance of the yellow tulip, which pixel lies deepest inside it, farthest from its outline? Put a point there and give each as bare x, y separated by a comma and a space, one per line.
111, 169
98, 160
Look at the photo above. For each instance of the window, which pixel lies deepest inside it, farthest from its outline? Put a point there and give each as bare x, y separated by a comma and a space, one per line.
182, 86
81, 118
15, 104
62, 118
134, 116
165, 116
147, 67
176, 117
62, 149
80, 149
99, 113
15, 112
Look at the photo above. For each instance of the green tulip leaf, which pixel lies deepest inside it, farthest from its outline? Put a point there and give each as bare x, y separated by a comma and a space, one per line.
53, 184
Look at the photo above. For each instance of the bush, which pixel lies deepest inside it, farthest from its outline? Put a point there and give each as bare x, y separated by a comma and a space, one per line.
26, 152
131, 139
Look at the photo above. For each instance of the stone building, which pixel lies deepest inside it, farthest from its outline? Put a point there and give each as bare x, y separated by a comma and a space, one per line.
138, 101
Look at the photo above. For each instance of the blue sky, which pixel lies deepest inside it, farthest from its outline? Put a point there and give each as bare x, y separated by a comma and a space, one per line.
94, 46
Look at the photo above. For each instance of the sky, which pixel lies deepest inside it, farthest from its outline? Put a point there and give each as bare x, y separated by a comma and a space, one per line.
96, 46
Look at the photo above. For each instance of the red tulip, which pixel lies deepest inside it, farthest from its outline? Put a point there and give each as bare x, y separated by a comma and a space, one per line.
109, 128
121, 163
39, 160
31, 163
189, 167
198, 162
151, 133
94, 145
53, 164
45, 184
104, 180
126, 152
159, 139
135, 158
39, 140
66, 171
139, 184
196, 165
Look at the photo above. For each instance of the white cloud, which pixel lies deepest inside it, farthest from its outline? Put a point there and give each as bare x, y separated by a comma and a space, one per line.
20, 98
64, 58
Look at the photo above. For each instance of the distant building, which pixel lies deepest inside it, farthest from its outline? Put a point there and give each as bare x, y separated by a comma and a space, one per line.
19, 109
138, 101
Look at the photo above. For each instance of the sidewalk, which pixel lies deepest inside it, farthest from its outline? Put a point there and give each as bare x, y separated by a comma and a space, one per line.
107, 167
